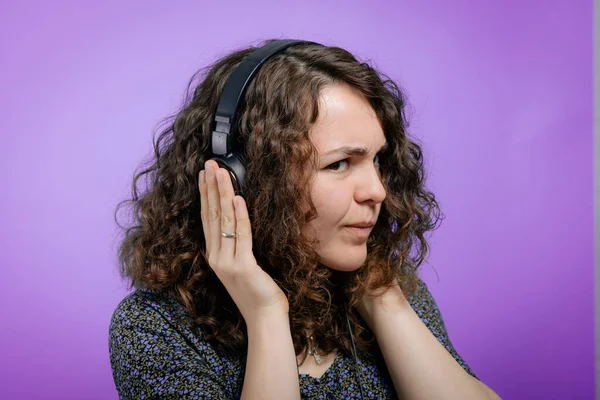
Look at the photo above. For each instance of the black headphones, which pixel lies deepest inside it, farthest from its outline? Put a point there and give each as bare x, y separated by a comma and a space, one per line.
223, 137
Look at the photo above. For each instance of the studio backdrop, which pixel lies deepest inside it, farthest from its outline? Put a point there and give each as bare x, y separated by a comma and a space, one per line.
500, 96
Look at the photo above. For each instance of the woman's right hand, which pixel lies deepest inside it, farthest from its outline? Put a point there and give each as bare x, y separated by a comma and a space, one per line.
254, 292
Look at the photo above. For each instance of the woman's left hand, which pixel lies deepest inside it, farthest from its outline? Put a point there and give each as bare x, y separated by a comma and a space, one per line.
377, 304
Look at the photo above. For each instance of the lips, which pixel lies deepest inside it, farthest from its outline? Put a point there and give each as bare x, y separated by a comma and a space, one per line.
360, 231
362, 225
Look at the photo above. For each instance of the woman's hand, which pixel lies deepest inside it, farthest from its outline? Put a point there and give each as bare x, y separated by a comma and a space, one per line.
254, 292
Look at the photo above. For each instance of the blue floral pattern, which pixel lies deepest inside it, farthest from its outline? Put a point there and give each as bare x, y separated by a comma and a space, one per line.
156, 352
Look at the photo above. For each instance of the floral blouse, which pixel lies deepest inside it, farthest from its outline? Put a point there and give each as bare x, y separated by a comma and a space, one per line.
156, 353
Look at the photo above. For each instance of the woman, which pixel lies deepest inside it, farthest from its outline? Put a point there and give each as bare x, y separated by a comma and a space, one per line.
306, 286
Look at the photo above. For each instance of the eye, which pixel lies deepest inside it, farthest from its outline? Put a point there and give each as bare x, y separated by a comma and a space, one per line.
335, 165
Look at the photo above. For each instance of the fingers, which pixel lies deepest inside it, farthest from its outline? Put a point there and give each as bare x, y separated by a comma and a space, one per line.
214, 208
244, 229
204, 209
218, 214
228, 223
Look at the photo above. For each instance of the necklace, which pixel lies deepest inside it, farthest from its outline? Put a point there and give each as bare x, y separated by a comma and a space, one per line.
314, 351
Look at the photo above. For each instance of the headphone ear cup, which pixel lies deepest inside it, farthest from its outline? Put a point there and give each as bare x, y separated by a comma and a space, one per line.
233, 164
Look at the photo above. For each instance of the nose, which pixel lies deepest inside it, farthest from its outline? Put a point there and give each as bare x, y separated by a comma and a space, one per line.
369, 187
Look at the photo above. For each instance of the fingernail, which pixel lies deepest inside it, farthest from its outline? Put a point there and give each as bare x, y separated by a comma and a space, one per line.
209, 172
219, 177
202, 181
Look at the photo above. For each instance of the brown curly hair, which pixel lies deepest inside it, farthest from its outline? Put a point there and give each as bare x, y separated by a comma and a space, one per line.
163, 246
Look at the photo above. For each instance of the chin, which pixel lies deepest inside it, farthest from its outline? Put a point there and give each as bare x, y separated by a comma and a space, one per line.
345, 268
342, 257
346, 263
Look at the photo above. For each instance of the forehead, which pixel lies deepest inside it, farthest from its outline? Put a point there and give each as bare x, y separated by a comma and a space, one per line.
345, 119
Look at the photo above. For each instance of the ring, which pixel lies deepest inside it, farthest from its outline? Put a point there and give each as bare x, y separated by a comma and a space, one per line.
227, 235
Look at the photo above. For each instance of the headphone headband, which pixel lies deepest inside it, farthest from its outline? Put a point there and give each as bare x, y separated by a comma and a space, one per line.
224, 133
233, 92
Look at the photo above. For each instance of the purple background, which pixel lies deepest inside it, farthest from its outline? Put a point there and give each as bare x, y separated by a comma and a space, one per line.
501, 96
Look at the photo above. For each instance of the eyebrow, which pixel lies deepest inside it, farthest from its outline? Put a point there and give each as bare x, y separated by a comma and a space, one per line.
354, 151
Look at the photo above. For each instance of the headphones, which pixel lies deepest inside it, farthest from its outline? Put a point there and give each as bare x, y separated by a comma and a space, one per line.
223, 138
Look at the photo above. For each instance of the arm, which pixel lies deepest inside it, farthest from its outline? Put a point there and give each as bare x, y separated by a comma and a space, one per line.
420, 366
271, 368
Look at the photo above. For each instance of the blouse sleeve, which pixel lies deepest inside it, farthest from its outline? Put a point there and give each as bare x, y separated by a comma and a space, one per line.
151, 360
426, 308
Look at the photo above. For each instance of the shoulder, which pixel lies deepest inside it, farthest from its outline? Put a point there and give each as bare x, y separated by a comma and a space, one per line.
148, 317
155, 348
146, 307
425, 306
422, 300
131, 306
142, 299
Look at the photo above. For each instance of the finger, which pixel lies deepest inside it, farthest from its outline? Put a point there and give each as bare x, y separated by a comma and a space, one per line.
204, 209
227, 212
244, 230
214, 208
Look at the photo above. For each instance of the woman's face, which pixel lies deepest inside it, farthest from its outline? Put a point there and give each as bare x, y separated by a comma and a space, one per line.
346, 189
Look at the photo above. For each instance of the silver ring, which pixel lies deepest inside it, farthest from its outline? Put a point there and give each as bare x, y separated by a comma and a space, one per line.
227, 235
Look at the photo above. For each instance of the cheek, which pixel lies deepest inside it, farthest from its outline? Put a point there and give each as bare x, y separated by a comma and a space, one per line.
325, 205
321, 227
331, 203
331, 212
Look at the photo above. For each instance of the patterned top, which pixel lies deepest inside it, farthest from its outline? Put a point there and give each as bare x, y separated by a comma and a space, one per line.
156, 353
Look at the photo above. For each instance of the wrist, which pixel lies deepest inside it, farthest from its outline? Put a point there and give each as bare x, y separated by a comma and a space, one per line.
266, 321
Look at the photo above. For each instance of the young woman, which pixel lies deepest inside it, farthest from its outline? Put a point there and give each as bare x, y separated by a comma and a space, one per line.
306, 286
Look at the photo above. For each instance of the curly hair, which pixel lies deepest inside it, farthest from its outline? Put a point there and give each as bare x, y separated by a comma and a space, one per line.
163, 246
